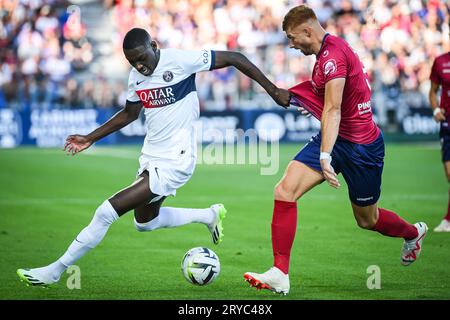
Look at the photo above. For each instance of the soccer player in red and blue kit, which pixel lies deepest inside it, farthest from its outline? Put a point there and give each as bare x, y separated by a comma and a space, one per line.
440, 76
349, 143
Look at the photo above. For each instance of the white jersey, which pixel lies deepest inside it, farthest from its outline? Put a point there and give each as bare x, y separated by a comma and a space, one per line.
170, 100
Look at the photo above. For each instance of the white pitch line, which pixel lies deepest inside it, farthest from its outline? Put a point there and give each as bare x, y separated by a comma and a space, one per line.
230, 198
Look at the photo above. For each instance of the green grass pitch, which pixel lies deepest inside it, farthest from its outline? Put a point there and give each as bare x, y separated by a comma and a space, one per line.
46, 198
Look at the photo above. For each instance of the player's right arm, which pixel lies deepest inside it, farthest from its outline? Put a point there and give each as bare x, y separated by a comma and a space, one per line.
438, 113
77, 143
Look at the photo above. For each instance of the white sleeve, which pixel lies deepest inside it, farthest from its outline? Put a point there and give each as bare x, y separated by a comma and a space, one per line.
131, 94
193, 61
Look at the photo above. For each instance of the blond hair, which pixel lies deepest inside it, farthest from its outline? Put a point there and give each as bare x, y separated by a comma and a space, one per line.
298, 15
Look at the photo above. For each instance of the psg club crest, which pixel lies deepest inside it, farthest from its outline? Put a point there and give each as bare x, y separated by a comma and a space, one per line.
168, 76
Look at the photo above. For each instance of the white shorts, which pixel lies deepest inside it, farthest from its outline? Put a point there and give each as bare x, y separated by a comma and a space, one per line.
166, 175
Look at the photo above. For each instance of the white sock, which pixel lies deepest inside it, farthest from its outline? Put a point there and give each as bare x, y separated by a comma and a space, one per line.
175, 217
87, 239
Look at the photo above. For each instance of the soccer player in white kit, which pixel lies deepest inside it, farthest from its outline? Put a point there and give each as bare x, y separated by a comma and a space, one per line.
163, 82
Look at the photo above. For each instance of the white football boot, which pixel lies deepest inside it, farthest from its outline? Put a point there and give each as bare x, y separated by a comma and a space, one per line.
411, 248
36, 277
444, 226
274, 279
216, 227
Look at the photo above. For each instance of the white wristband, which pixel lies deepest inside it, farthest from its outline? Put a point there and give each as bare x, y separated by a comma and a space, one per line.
435, 111
325, 156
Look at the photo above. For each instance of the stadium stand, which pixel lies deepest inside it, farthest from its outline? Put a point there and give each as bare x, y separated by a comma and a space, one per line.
67, 54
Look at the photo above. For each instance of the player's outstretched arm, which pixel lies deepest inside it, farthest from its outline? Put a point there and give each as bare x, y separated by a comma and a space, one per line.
238, 60
77, 143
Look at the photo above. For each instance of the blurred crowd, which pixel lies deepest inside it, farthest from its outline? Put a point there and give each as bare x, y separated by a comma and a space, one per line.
44, 46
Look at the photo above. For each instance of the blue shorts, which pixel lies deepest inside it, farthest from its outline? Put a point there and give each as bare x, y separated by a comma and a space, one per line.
445, 144
360, 164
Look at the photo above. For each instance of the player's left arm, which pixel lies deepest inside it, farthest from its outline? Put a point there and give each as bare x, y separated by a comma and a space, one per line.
438, 113
435, 79
239, 61
330, 121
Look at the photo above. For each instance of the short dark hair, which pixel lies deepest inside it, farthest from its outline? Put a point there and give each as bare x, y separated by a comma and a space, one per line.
298, 15
136, 37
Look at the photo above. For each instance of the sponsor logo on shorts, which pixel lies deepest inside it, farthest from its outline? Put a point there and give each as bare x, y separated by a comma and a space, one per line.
364, 199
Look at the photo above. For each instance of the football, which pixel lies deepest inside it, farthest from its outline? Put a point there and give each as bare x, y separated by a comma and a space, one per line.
200, 266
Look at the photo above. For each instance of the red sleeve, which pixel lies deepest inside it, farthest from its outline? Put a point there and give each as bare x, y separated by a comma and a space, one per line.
303, 95
335, 65
434, 76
